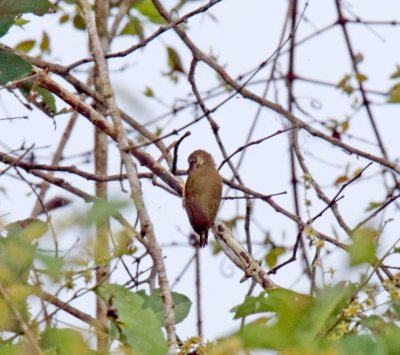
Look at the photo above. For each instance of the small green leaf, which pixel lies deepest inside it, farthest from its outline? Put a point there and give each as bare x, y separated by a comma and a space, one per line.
363, 248
231, 223
30, 228
54, 266
46, 101
275, 300
17, 250
148, 92
341, 179
272, 256
158, 131
12, 67
373, 323
357, 171
40, 97
26, 46
20, 22
5, 24
133, 27
216, 248
64, 342
174, 61
103, 209
345, 85
328, 305
396, 74
396, 308
361, 77
291, 313
343, 82
147, 9
124, 243
394, 94
182, 305
15, 349
78, 22
360, 344
252, 305
63, 19
138, 327
17, 7
373, 205
44, 44
344, 125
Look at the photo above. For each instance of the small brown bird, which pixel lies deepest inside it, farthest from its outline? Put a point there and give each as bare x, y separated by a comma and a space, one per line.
202, 195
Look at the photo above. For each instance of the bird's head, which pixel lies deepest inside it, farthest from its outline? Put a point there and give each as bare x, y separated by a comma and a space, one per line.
200, 158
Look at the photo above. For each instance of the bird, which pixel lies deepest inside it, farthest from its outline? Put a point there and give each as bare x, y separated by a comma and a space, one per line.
202, 193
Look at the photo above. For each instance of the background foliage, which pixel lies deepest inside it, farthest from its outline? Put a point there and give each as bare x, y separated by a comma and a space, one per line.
298, 103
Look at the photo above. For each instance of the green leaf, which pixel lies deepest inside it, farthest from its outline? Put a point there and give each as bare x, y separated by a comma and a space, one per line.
363, 248
272, 256
104, 209
299, 320
182, 305
252, 305
18, 294
373, 205
17, 253
328, 305
17, 7
26, 46
40, 97
20, 22
344, 125
396, 74
276, 300
15, 349
345, 85
78, 22
5, 24
396, 308
139, 327
12, 67
44, 44
133, 27
174, 61
343, 82
216, 248
390, 340
29, 228
361, 77
148, 91
54, 266
394, 94
64, 342
360, 344
341, 179
46, 101
147, 9
374, 323
232, 223
357, 171
63, 19
260, 336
